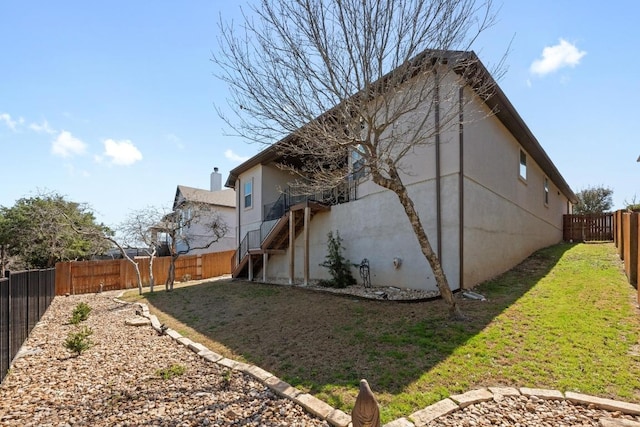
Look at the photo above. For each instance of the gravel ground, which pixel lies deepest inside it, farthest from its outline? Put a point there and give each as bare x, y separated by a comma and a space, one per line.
116, 382
533, 412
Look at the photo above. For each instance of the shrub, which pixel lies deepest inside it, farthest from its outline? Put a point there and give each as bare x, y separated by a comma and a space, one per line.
79, 341
174, 370
80, 313
339, 267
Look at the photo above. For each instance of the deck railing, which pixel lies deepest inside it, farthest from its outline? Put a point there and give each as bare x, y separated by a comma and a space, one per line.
272, 212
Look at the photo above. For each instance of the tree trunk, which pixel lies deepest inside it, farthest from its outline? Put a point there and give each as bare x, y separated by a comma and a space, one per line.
139, 277
171, 277
3, 260
151, 279
396, 185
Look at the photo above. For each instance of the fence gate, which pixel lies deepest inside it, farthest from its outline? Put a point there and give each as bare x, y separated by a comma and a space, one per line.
588, 228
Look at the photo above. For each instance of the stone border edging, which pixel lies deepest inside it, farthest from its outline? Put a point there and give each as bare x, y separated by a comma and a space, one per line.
459, 401
310, 403
420, 418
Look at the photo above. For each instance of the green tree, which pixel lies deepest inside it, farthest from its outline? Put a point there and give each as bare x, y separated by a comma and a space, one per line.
40, 231
594, 200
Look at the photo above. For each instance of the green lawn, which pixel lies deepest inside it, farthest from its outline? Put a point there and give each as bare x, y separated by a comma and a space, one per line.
564, 319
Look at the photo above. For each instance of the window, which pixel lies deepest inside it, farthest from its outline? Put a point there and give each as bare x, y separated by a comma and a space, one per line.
248, 193
546, 191
357, 163
523, 165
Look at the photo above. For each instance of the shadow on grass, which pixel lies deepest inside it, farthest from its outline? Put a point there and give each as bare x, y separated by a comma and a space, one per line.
313, 339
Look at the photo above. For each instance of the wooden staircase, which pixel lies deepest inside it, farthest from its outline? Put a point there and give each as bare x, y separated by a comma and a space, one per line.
276, 240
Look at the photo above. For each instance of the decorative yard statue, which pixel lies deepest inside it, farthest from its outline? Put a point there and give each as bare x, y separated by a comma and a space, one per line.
364, 273
366, 412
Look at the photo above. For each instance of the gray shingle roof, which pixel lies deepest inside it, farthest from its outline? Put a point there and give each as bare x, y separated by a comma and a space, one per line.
225, 198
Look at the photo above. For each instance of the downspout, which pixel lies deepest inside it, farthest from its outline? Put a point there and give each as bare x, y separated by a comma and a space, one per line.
461, 188
438, 183
239, 209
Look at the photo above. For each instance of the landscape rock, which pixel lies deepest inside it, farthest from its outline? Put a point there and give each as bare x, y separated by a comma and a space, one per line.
117, 381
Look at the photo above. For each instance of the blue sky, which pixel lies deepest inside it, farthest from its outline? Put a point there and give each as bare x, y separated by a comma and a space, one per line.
112, 103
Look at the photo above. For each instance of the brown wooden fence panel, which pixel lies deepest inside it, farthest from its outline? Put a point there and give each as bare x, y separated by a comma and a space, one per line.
161, 269
63, 278
78, 277
616, 227
619, 228
216, 264
87, 276
630, 235
634, 253
187, 268
627, 226
588, 228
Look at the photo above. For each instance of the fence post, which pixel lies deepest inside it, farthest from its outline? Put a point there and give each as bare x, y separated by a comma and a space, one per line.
631, 248
5, 327
621, 242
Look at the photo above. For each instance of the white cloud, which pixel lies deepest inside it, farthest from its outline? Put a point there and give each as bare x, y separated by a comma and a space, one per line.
122, 153
564, 54
66, 145
8, 121
230, 155
43, 127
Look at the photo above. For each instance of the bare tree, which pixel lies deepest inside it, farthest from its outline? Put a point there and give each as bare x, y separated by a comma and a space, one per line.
373, 80
102, 235
137, 231
192, 226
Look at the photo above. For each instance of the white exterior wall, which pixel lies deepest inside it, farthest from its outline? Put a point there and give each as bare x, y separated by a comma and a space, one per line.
198, 228
375, 227
268, 183
249, 218
505, 217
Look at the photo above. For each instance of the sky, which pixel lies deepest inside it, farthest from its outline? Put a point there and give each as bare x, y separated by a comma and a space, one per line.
113, 104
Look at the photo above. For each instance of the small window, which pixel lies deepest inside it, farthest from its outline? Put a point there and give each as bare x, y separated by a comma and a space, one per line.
523, 165
546, 191
357, 163
248, 193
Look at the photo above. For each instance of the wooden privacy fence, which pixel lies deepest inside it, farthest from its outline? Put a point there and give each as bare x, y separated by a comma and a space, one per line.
626, 239
81, 277
24, 297
587, 228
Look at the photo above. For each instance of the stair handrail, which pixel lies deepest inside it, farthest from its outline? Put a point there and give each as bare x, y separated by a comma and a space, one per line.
272, 213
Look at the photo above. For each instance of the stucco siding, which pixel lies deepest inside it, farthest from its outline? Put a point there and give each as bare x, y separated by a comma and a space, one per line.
375, 227
506, 217
499, 234
250, 218
274, 181
200, 233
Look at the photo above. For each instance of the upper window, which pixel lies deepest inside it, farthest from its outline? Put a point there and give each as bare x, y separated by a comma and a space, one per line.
546, 191
357, 163
523, 165
248, 193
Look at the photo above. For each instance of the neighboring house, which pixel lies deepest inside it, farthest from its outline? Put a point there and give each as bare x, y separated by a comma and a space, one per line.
487, 193
197, 208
